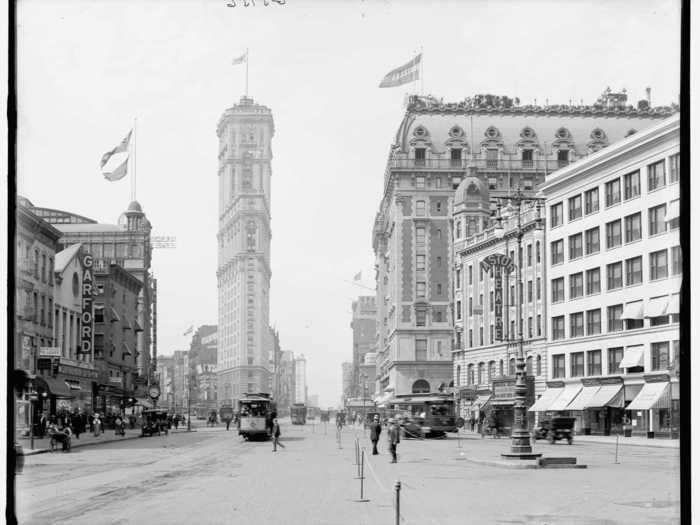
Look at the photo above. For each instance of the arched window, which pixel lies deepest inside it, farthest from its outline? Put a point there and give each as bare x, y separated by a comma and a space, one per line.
458, 377
539, 365
480, 372
420, 387
528, 366
492, 370
511, 366
537, 250
458, 233
500, 367
470, 374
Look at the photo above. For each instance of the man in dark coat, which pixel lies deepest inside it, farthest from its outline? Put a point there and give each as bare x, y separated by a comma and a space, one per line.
394, 438
375, 429
276, 435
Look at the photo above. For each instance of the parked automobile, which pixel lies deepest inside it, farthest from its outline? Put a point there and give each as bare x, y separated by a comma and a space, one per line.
555, 429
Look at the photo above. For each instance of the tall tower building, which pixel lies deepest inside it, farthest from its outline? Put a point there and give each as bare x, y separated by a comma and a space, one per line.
245, 132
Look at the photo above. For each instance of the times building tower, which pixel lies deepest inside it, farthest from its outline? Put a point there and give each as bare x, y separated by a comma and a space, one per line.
243, 271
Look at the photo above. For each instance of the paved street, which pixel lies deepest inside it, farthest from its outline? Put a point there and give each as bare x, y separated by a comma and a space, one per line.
211, 476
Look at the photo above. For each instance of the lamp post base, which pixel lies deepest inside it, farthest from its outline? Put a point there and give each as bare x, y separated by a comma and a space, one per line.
521, 455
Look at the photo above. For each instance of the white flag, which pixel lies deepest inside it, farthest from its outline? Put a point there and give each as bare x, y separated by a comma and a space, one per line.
409, 72
240, 59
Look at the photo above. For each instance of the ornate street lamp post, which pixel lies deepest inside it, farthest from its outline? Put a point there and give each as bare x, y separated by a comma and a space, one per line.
521, 448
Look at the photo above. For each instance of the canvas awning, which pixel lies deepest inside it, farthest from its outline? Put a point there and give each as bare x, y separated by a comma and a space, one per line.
545, 400
652, 395
633, 310
656, 307
137, 327
607, 396
569, 393
634, 356
55, 387
674, 304
126, 349
673, 211
480, 401
583, 398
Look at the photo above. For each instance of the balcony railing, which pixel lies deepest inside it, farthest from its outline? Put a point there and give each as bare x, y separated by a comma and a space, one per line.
503, 163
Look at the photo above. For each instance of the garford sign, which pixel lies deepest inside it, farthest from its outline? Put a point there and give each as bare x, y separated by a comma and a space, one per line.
86, 317
49, 351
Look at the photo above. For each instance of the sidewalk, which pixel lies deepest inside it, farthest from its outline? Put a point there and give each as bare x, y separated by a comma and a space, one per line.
602, 440
42, 445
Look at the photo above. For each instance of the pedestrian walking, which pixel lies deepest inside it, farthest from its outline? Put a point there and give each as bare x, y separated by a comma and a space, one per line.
375, 429
394, 438
75, 424
228, 422
43, 421
97, 424
276, 435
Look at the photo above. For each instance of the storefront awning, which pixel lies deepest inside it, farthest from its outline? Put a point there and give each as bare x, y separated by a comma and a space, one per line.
673, 211
633, 310
583, 398
569, 393
55, 387
126, 349
607, 396
115, 316
137, 327
545, 400
634, 356
656, 307
653, 395
480, 401
674, 305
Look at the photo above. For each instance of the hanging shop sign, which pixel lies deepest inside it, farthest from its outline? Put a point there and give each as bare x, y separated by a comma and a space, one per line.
86, 318
500, 263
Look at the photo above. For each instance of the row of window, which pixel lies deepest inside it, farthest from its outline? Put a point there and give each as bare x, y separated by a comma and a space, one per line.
627, 187
40, 265
534, 326
480, 374
633, 275
589, 363
593, 322
533, 293
588, 242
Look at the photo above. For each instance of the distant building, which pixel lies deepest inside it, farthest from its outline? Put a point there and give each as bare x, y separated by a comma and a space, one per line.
313, 401
364, 338
347, 382
166, 372
287, 382
367, 369
245, 133
202, 363
180, 381
300, 387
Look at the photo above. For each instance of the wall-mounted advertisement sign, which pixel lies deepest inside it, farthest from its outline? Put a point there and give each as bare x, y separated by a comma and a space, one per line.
86, 317
501, 264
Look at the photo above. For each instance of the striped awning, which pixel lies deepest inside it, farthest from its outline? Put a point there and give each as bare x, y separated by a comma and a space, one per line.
673, 211
634, 356
656, 307
652, 395
546, 400
583, 398
674, 304
633, 310
607, 396
566, 397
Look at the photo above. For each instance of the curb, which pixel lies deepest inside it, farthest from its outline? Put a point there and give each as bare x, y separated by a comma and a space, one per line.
628, 444
520, 464
29, 452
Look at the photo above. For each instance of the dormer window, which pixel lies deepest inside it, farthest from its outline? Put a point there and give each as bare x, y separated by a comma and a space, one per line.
563, 157
527, 158
455, 157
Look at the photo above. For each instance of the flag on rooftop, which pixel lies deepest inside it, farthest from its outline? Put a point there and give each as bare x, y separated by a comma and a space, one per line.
240, 59
189, 330
114, 163
409, 72
358, 276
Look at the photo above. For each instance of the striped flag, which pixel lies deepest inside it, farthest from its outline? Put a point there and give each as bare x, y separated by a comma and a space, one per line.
240, 59
409, 72
114, 163
189, 330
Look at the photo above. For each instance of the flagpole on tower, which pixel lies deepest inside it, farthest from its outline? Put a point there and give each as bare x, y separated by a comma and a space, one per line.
247, 59
422, 93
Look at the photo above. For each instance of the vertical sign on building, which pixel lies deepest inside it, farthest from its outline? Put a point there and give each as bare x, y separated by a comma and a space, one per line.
86, 317
501, 264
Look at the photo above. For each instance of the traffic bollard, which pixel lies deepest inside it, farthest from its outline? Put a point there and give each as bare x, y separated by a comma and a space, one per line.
617, 443
397, 505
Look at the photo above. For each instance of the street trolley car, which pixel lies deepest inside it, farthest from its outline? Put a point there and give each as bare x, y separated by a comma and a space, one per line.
298, 414
435, 412
255, 416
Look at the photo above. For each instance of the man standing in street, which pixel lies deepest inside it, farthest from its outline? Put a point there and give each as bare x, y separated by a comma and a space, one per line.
375, 429
394, 438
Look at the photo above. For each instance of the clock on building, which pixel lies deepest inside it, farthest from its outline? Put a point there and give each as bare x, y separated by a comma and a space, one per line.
154, 391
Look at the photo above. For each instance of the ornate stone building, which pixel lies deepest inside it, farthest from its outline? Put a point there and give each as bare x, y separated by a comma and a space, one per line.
506, 146
245, 133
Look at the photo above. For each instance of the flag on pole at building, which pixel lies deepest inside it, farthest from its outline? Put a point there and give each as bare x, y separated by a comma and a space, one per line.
189, 330
409, 72
115, 162
357, 277
240, 59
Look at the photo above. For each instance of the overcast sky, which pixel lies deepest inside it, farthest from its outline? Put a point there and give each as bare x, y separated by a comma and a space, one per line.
87, 68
